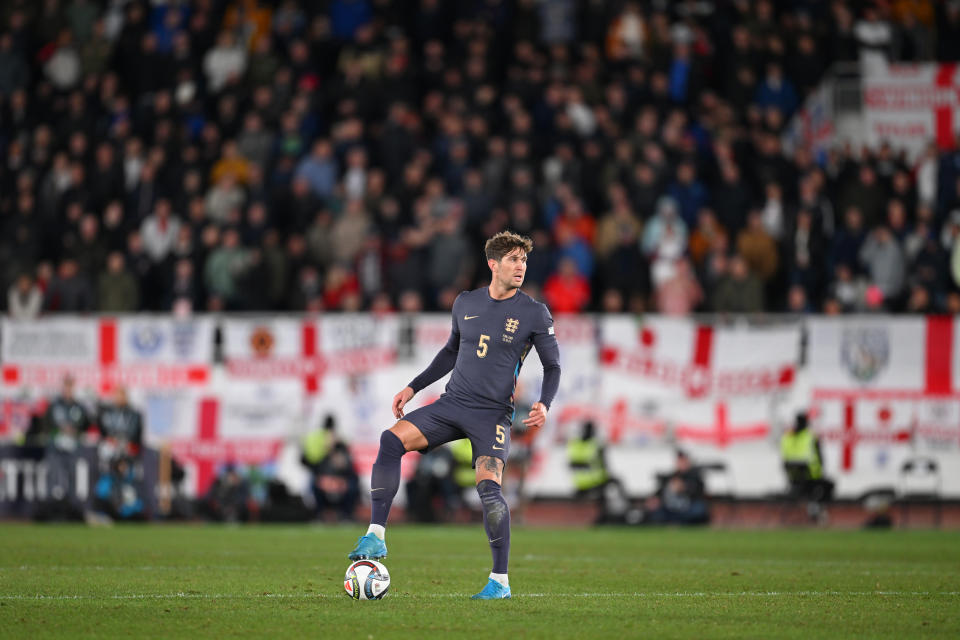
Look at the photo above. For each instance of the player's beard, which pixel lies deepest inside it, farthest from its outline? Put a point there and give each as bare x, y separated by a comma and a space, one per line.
509, 284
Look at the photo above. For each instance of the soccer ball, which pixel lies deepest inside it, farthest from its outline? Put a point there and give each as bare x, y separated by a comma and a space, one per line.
366, 580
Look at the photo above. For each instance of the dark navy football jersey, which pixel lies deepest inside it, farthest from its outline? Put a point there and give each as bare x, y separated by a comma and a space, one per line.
490, 340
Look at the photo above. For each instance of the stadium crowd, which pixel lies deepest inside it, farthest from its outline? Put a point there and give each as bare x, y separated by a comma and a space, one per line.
353, 154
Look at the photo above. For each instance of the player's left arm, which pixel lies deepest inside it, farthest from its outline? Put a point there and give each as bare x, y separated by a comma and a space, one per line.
545, 342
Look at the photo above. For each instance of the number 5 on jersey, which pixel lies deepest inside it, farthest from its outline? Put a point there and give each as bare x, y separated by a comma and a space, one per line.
482, 350
501, 435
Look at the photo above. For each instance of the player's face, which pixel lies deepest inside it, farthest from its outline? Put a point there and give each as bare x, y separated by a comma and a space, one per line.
512, 268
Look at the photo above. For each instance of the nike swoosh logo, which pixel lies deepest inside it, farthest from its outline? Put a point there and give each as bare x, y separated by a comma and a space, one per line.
378, 489
494, 540
496, 448
470, 317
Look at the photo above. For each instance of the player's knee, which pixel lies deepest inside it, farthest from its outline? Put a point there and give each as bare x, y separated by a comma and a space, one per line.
494, 505
390, 446
489, 491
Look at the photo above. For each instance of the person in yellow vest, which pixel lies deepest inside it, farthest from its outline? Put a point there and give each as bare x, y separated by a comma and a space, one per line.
317, 444
585, 455
803, 463
592, 479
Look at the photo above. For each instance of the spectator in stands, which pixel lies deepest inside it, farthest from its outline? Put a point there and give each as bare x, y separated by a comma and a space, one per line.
319, 169
62, 67
567, 291
882, 257
758, 248
110, 110
680, 293
617, 245
14, 71
224, 268
777, 91
349, 231
664, 240
867, 195
24, 298
225, 62
159, 230
449, 264
805, 253
740, 291
117, 288
70, 291
223, 199
705, 236
691, 195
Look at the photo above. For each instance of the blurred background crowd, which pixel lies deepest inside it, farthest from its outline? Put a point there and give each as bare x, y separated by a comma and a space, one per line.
354, 154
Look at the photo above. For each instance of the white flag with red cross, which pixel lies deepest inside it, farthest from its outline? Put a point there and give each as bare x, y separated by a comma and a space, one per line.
273, 349
140, 352
910, 106
679, 358
883, 388
307, 349
244, 423
674, 378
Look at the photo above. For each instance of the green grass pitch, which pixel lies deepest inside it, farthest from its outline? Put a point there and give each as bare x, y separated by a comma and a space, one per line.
286, 581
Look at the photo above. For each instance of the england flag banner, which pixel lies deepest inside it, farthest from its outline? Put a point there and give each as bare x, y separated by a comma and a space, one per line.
673, 358
141, 352
243, 422
347, 366
308, 349
911, 106
716, 390
272, 349
885, 390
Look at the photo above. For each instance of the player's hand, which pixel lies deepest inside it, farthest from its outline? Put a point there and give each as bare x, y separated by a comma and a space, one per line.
538, 415
401, 399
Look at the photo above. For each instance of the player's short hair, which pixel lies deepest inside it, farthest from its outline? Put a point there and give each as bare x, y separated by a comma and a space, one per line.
504, 242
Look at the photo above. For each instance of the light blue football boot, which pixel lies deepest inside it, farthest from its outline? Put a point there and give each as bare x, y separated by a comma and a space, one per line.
493, 591
369, 547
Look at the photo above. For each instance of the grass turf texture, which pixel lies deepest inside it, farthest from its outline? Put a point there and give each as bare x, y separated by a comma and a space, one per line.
203, 581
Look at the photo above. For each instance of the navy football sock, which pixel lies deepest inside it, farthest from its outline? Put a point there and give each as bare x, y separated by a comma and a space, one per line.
385, 479
496, 520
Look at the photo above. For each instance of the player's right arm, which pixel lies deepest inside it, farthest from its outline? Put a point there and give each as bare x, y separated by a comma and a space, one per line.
442, 364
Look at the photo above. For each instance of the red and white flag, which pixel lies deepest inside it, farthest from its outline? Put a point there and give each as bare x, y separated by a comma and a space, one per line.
661, 357
911, 105
675, 379
246, 424
883, 387
308, 349
141, 352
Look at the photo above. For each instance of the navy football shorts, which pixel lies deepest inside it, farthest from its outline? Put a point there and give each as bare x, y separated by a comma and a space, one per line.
446, 420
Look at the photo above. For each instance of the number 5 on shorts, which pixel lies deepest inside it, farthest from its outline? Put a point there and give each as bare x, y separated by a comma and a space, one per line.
501, 434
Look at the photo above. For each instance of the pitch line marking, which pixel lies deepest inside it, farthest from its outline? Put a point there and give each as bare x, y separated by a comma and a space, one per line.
310, 596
